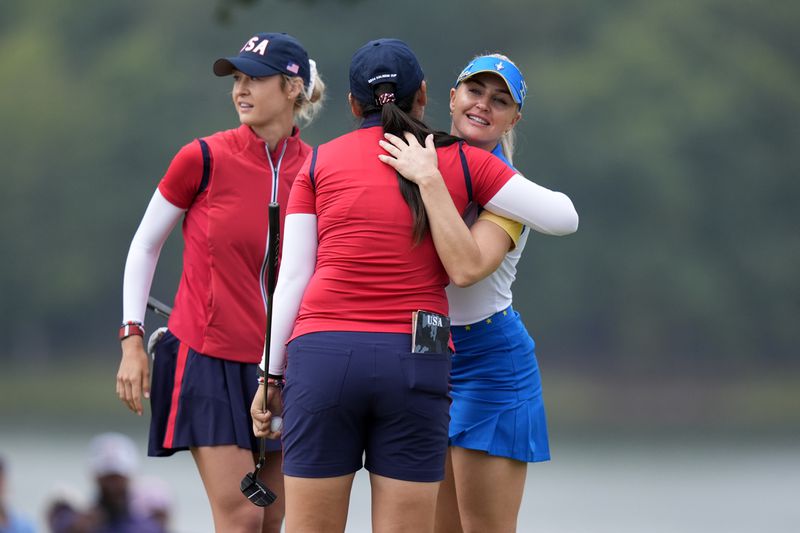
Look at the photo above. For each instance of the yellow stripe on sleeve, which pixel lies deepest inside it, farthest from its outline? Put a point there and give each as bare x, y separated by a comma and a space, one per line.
512, 227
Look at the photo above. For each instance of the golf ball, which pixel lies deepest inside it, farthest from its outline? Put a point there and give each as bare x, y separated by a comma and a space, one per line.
276, 423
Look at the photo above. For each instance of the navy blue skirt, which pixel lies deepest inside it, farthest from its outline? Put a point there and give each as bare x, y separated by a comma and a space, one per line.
497, 390
198, 400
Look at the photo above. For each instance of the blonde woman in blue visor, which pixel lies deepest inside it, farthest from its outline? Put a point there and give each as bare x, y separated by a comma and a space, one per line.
498, 422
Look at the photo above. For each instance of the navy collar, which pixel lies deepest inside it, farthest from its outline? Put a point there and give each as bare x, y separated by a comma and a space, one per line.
498, 151
371, 120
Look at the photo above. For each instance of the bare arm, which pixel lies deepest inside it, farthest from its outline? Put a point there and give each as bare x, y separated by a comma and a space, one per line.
494, 243
468, 255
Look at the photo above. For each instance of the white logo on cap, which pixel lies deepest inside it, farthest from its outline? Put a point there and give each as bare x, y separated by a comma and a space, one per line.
499, 66
381, 77
250, 45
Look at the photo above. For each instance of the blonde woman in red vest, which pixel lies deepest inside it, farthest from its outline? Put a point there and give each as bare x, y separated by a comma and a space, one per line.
205, 366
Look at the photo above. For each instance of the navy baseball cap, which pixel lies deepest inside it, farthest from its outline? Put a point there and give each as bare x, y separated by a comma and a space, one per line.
507, 70
266, 54
384, 61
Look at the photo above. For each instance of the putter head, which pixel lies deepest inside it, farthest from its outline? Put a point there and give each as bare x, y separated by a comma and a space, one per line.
256, 491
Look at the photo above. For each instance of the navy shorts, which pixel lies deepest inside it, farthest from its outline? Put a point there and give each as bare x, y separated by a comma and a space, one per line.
351, 395
197, 400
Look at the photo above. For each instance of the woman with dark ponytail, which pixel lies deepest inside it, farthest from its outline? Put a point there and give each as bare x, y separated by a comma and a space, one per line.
396, 121
358, 266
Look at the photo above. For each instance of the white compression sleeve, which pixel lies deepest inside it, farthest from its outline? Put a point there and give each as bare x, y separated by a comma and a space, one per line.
157, 223
298, 261
540, 208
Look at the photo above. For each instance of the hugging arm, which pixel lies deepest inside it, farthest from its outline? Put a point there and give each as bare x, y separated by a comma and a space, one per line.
467, 255
546, 211
464, 256
493, 243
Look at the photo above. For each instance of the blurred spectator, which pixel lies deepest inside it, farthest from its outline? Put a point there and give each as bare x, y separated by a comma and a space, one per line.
113, 460
10, 521
64, 504
152, 498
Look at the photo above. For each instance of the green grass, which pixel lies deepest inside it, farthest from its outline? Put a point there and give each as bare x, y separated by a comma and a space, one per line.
84, 391
690, 404
78, 389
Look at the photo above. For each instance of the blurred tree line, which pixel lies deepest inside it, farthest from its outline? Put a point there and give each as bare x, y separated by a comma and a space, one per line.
672, 125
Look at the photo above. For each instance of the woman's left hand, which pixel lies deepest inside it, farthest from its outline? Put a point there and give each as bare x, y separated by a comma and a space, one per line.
415, 162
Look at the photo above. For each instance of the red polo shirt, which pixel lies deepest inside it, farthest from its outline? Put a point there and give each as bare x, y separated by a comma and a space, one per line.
369, 274
219, 310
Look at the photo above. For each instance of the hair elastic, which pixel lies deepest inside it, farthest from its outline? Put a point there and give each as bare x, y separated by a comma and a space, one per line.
384, 99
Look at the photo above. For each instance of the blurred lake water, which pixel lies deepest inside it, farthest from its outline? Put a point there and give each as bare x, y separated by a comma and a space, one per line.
590, 486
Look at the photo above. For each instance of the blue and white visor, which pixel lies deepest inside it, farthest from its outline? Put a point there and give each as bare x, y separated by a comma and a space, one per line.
505, 69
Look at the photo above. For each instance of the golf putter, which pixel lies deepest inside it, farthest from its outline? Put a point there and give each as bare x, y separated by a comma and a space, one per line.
158, 307
163, 310
253, 488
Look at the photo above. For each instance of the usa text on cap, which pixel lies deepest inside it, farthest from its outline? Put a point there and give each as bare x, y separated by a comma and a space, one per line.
267, 54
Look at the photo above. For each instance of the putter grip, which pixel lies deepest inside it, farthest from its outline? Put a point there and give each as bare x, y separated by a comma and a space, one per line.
274, 246
274, 217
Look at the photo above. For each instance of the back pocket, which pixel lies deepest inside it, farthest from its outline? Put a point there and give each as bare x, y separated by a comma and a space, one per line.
315, 376
427, 372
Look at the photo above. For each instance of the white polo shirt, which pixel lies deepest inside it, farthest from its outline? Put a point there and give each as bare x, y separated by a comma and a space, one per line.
493, 293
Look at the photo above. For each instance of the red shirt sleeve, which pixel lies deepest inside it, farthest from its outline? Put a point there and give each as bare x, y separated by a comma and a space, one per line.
182, 179
489, 173
303, 197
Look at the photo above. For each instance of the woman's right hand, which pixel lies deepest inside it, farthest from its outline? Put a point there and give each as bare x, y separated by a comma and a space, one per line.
415, 162
133, 376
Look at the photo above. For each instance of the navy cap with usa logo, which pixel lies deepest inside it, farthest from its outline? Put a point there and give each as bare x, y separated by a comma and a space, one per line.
384, 61
267, 54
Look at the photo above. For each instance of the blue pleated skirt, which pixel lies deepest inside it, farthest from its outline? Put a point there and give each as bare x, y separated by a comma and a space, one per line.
497, 391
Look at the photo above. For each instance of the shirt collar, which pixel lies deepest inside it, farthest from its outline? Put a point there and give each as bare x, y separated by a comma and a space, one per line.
371, 120
498, 151
256, 144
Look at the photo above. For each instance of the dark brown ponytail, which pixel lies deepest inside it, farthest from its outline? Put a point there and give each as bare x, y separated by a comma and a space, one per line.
396, 120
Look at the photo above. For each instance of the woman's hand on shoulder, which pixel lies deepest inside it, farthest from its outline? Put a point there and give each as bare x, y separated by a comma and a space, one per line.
415, 162
133, 376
